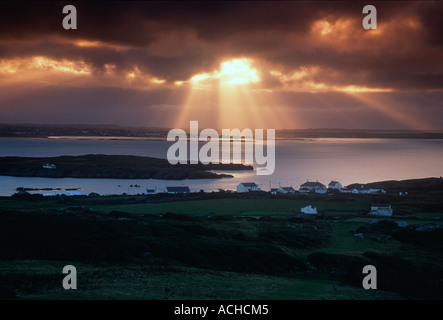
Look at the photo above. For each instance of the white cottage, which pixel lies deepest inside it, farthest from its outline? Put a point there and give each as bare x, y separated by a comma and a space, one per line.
286, 190
357, 188
176, 190
247, 187
309, 210
316, 187
335, 185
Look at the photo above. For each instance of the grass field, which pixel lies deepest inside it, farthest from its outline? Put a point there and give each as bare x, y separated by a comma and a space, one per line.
141, 282
224, 206
214, 247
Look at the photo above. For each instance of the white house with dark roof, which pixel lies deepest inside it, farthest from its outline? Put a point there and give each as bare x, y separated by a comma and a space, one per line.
247, 187
335, 185
286, 190
175, 190
358, 188
311, 186
304, 190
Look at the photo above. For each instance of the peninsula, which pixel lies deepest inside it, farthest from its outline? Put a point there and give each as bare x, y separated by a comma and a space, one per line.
99, 166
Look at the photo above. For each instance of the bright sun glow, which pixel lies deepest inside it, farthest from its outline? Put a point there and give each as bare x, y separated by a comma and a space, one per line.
227, 96
236, 71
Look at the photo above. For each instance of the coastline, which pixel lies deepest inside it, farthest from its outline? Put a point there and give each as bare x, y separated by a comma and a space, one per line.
110, 132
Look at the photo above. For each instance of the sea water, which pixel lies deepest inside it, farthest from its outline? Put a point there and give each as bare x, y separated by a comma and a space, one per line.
297, 160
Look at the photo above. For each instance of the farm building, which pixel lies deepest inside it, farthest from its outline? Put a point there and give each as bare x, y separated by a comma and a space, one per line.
381, 210
357, 188
335, 185
175, 190
316, 187
247, 187
286, 190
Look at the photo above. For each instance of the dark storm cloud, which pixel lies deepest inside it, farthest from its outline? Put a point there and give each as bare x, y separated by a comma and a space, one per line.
141, 23
177, 40
431, 16
90, 106
128, 23
276, 32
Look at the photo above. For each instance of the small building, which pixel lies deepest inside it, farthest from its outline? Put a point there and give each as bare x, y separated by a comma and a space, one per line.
335, 185
309, 210
304, 190
176, 190
247, 187
358, 188
63, 193
150, 191
286, 190
49, 166
316, 187
274, 190
381, 210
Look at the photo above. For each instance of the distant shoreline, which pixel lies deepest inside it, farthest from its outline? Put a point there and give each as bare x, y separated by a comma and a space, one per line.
154, 139
110, 132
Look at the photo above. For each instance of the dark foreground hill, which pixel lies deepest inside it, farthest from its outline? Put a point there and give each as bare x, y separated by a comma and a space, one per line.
393, 186
288, 249
220, 246
111, 167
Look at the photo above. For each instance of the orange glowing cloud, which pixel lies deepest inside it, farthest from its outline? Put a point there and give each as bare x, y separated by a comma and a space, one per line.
40, 69
43, 65
236, 66
305, 79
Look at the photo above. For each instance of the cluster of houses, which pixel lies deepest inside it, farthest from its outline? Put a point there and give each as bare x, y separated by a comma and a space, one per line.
317, 187
313, 187
307, 187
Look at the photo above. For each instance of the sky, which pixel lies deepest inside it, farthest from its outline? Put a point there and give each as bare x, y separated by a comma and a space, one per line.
281, 65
